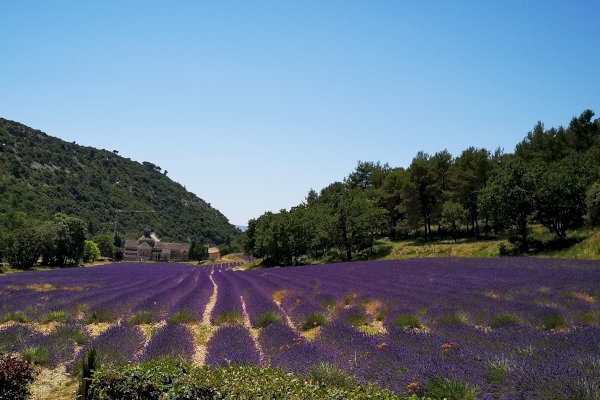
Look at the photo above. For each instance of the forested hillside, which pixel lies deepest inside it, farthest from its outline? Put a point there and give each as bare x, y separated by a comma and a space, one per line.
552, 179
42, 175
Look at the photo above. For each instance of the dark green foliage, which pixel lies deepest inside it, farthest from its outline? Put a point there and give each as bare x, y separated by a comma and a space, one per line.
36, 355
89, 365
229, 317
181, 317
452, 319
178, 381
267, 318
505, 319
407, 320
141, 317
99, 316
16, 316
41, 175
331, 375
57, 316
498, 370
91, 252
592, 201
314, 320
15, 376
450, 389
553, 320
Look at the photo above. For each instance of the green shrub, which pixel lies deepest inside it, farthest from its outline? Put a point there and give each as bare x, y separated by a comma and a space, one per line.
91, 252
36, 355
16, 316
331, 375
182, 317
451, 319
505, 319
89, 364
553, 320
172, 380
15, 376
357, 319
76, 333
497, 371
267, 318
141, 317
313, 320
57, 316
97, 316
407, 320
229, 317
450, 389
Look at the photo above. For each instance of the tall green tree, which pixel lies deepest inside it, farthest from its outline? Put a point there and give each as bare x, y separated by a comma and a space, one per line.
509, 199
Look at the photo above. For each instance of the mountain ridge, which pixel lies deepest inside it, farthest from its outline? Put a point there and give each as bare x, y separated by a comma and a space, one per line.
42, 175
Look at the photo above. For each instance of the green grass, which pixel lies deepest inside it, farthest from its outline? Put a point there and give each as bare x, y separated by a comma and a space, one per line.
331, 375
182, 317
314, 320
15, 316
553, 320
36, 355
505, 319
452, 318
407, 321
357, 319
268, 318
97, 316
141, 317
497, 371
229, 318
57, 316
451, 389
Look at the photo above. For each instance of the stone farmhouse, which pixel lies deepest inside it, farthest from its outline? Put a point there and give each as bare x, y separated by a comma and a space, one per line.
149, 247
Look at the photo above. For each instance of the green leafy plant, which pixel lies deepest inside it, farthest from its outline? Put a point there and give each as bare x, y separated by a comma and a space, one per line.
268, 318
99, 315
182, 317
452, 318
553, 320
451, 389
332, 375
36, 355
229, 317
57, 316
141, 317
505, 319
314, 320
407, 320
498, 370
89, 364
16, 316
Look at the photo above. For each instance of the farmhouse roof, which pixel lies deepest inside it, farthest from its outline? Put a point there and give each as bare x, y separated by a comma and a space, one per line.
213, 250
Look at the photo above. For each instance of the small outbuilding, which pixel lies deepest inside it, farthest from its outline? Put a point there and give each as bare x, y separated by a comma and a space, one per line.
214, 253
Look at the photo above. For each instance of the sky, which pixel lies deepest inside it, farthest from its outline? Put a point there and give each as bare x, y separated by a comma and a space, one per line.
250, 104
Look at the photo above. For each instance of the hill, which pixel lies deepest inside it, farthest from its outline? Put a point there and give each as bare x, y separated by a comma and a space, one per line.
42, 175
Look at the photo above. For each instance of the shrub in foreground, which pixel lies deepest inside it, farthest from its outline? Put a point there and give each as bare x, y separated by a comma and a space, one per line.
314, 320
177, 381
15, 376
407, 320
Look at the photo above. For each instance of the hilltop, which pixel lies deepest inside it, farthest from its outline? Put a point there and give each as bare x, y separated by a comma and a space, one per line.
42, 175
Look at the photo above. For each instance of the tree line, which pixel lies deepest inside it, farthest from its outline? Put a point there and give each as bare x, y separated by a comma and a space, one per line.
552, 179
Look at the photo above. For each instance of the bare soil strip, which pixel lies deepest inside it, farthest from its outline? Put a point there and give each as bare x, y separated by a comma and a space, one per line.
204, 330
253, 332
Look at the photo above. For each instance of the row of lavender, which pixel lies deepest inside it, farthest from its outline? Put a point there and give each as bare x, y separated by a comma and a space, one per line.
114, 291
454, 302
518, 360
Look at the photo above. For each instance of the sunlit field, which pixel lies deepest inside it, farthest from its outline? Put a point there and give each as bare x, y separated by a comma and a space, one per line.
496, 328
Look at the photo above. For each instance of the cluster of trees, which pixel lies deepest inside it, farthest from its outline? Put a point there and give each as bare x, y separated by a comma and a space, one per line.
551, 179
57, 242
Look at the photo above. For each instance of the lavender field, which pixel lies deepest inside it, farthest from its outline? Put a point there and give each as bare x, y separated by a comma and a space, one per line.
509, 328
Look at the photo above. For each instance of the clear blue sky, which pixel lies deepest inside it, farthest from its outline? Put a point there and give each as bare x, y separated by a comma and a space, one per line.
250, 104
